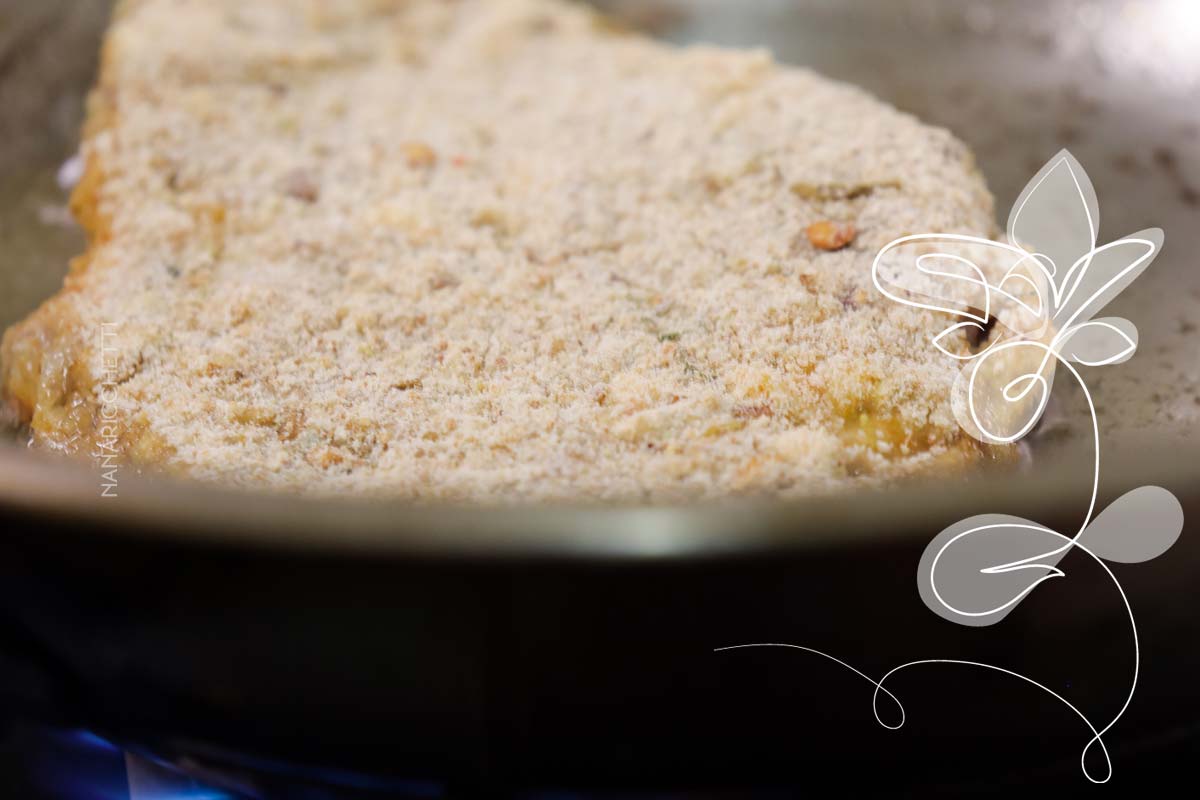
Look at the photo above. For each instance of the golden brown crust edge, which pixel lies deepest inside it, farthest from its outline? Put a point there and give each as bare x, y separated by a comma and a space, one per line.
44, 374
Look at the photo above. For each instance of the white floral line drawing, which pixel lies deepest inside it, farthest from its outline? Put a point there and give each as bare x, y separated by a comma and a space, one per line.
1030, 315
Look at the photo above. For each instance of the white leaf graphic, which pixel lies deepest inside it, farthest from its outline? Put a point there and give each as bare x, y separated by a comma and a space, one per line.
1026, 282
1045, 285
1101, 342
999, 397
1137, 526
958, 328
1056, 215
1094, 280
977, 570
971, 278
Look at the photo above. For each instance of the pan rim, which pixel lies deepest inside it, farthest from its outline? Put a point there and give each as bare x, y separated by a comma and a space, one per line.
43, 488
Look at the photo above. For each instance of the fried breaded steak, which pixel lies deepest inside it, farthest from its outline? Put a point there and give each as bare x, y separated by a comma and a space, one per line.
489, 250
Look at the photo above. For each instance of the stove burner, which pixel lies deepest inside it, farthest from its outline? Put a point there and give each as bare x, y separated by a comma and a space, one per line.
81, 765
74, 764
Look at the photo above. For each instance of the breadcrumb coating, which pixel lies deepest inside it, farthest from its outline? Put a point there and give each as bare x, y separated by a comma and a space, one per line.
489, 251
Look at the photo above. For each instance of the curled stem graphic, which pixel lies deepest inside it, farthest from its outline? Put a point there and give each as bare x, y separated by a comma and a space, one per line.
979, 569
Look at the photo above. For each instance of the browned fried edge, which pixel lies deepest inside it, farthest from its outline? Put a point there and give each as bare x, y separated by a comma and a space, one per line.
44, 375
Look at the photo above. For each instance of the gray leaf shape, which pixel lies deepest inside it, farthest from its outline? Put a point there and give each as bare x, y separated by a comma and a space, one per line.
1094, 280
999, 397
977, 570
1057, 214
1110, 340
1137, 526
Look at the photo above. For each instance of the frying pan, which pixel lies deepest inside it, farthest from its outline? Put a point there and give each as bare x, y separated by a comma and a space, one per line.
493, 650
